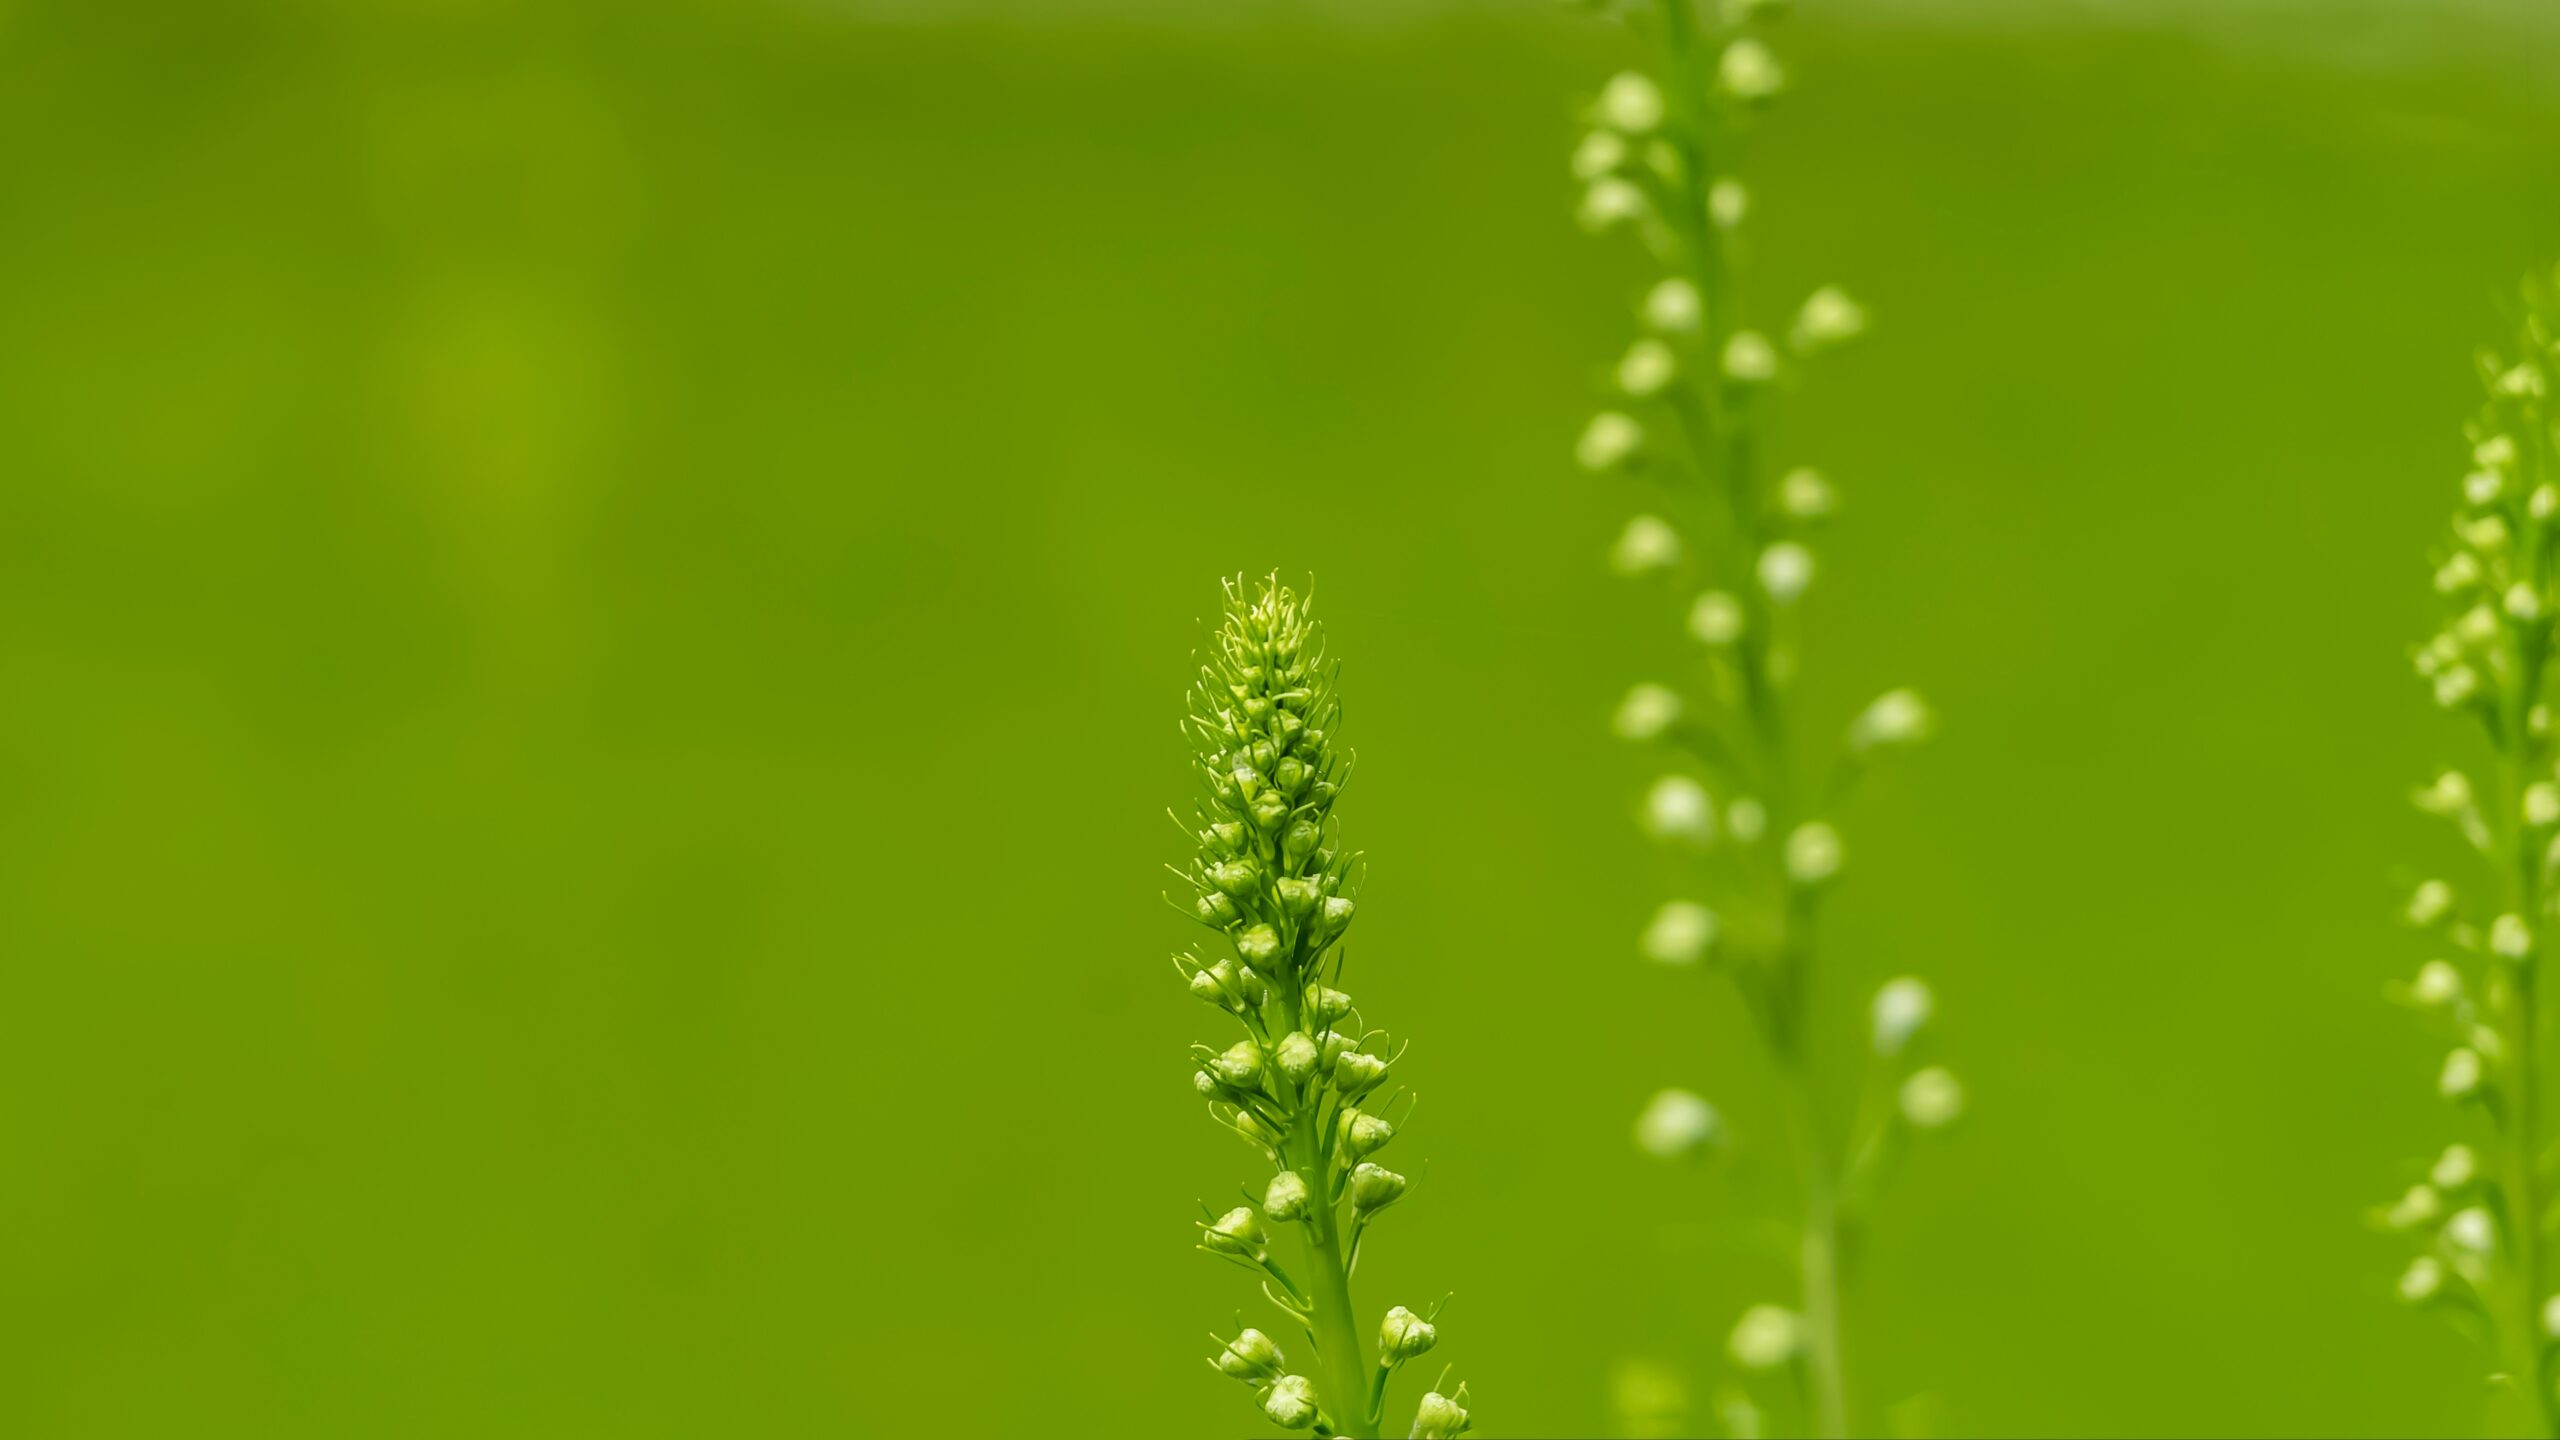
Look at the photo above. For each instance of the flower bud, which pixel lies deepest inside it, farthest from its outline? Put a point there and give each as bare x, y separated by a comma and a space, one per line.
2420, 1205
1235, 877
2472, 1231
1611, 202
2423, 1280
1727, 202
1646, 713
1765, 1338
1218, 985
1375, 1187
1302, 837
1440, 1417
1336, 915
1250, 1357
1804, 495
2542, 804
1238, 1232
1902, 1007
1608, 442
2460, 1079
2458, 574
1362, 1133
2456, 1168
1631, 103
1675, 1123
1647, 544
1716, 618
1259, 945
1681, 933
1404, 1335
1298, 894
1286, 1198
1813, 854
1678, 808
1268, 809
1897, 717
1648, 369
1239, 1065
1674, 307
1785, 569
1932, 1098
1296, 1056
1829, 318
2431, 902
1291, 1402
1749, 359
1324, 1006
1599, 153
2510, 938
1216, 909
1357, 1072
1748, 71
1747, 819
2438, 984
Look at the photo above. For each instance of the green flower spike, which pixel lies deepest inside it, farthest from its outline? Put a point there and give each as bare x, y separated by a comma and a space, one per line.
1270, 878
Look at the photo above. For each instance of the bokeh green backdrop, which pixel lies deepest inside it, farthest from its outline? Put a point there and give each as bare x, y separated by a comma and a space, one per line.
593, 598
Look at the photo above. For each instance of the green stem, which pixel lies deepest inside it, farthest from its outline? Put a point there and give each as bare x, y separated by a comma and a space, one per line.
1342, 1360
2520, 1327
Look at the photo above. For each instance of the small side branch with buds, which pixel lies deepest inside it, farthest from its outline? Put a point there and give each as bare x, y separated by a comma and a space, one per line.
1309, 1086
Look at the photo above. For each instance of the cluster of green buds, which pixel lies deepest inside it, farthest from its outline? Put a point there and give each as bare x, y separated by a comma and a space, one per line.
1728, 531
1307, 1084
2479, 1213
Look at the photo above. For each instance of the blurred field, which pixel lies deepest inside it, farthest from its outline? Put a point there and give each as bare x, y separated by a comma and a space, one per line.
596, 594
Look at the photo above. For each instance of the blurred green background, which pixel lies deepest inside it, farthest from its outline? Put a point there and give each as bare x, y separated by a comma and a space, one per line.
596, 595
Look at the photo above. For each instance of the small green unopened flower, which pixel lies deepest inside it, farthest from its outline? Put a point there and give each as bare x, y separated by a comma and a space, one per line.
1828, 318
2461, 1075
1674, 307
1804, 495
1932, 1098
2430, 902
2471, 1231
2459, 573
2523, 380
1630, 103
1335, 915
1749, 358
2543, 503
1259, 945
1404, 1335
2477, 626
1748, 71
2456, 1168
1785, 569
1600, 152
2489, 534
1326, 1005
1286, 1197
1250, 1357
1766, 1337
1238, 1232
2456, 686
2449, 795
1239, 1064
1727, 203
1362, 1133
1681, 933
1219, 984
1675, 1123
1648, 369
1296, 1057
1902, 1008
1441, 1417
2511, 938
1716, 618
1611, 202
2542, 803
2551, 1318
2419, 1205
1291, 1402
1897, 717
2522, 602
1375, 1187
1813, 853
1609, 441
1678, 808
1357, 1072
2438, 984
2481, 487
1647, 544
2423, 1280
1647, 711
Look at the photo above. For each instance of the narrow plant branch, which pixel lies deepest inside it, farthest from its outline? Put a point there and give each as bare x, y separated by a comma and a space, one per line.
2484, 1227
1732, 542
1306, 1086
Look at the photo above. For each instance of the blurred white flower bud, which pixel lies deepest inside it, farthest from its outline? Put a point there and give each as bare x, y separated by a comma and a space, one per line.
1902, 1007
2472, 1230
1676, 1122
1727, 203
1716, 618
1646, 545
1804, 495
2542, 803
1648, 368
2438, 984
2510, 938
2449, 795
1608, 442
2551, 1318
2430, 902
2488, 534
2459, 573
1765, 1338
1600, 152
2420, 1205
2543, 503
1680, 933
1678, 808
1813, 853
2523, 380
2461, 1075
1748, 71
1647, 711
1611, 202
1897, 717
1749, 358
2423, 1280
1674, 307
2481, 487
1747, 819
1786, 568
1404, 1335
1828, 318
1932, 1098
2456, 1168
1630, 103
2522, 602
2496, 452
